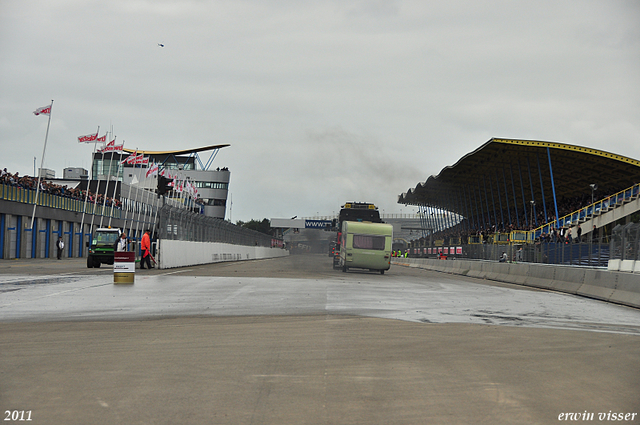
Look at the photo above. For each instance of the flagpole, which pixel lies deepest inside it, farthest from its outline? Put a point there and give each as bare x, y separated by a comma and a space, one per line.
155, 217
136, 198
44, 148
137, 191
97, 193
86, 195
126, 212
115, 185
106, 186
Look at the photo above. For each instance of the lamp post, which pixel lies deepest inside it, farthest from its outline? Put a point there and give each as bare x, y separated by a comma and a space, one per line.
532, 202
593, 187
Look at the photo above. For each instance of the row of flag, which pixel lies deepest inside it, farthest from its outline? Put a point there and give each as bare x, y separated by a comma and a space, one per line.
180, 184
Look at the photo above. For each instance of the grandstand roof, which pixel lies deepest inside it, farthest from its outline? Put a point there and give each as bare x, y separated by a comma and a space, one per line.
177, 152
516, 168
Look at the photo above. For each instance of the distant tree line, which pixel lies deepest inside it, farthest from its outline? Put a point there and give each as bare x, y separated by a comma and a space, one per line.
263, 226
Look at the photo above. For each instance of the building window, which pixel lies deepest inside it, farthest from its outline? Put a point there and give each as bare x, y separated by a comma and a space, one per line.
211, 185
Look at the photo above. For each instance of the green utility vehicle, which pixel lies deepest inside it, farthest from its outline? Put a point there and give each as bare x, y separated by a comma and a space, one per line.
102, 247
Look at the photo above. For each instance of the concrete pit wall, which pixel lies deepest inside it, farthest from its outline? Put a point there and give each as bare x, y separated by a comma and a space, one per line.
616, 287
173, 253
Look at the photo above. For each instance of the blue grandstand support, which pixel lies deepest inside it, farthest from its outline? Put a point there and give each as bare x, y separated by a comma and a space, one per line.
534, 219
460, 213
463, 208
476, 195
515, 199
434, 218
553, 186
544, 203
493, 203
453, 210
447, 217
486, 198
499, 200
524, 200
423, 219
466, 210
506, 194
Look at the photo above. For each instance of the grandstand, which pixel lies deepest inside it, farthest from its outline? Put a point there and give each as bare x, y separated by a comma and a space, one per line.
525, 192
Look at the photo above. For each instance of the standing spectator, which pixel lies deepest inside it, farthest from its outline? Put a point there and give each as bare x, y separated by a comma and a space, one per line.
579, 233
60, 246
145, 245
121, 244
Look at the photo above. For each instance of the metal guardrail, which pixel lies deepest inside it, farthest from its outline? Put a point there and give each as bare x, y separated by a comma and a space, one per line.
180, 224
625, 242
590, 211
28, 196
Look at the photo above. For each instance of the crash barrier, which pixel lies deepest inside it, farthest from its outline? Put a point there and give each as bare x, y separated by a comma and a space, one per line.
617, 287
174, 253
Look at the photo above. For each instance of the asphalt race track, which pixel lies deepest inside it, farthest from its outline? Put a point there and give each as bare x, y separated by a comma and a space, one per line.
291, 341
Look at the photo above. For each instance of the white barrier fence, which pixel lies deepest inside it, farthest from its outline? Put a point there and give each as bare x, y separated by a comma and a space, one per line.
174, 253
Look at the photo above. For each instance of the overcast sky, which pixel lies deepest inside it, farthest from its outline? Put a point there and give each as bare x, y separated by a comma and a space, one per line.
322, 102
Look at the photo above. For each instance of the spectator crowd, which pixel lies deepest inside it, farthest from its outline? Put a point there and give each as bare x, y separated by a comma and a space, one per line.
29, 182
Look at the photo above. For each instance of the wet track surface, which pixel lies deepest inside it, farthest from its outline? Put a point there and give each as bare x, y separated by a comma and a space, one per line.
292, 341
309, 286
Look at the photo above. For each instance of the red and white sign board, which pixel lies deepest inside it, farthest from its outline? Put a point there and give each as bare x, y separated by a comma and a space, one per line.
124, 262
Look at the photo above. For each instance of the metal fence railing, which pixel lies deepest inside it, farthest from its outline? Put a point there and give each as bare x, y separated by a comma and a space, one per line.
181, 224
576, 254
28, 196
625, 242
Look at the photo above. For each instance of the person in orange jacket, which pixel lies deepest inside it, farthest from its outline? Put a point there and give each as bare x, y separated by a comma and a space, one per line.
145, 245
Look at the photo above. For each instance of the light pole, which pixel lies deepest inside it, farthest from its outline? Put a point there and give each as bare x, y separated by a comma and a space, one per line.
593, 187
532, 202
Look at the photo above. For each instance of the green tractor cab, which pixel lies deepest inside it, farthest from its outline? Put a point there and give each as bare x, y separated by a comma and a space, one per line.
102, 247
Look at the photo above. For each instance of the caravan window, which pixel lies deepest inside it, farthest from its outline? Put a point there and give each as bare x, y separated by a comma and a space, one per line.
368, 242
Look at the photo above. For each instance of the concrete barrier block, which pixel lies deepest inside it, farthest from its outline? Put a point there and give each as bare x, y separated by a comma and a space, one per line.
627, 290
598, 284
636, 268
475, 269
493, 270
519, 273
568, 279
540, 276
627, 266
613, 265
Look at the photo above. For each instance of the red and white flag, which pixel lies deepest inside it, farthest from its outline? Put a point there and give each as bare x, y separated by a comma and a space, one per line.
102, 139
141, 160
112, 147
130, 159
153, 170
88, 138
45, 110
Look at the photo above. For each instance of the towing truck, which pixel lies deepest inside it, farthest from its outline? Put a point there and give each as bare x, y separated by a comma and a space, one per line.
102, 247
363, 240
